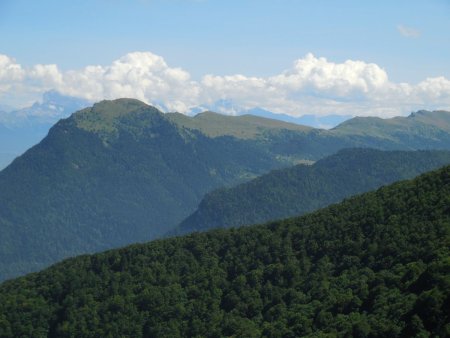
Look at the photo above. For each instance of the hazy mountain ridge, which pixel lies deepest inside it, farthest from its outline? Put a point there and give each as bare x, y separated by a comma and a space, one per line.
374, 265
21, 129
110, 175
420, 125
421, 130
122, 171
310, 120
243, 126
296, 190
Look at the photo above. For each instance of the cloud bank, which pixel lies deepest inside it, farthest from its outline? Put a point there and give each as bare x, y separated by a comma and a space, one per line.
312, 85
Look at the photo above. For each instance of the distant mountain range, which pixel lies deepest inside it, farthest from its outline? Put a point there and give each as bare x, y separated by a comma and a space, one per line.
376, 265
122, 172
20, 129
315, 121
23, 128
304, 188
228, 107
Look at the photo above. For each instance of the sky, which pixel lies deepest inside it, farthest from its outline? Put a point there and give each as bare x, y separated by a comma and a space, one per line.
380, 58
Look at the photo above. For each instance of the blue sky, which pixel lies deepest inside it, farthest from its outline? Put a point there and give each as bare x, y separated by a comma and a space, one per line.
409, 40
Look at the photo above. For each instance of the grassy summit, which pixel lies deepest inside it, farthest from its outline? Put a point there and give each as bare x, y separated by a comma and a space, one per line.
245, 126
106, 117
422, 124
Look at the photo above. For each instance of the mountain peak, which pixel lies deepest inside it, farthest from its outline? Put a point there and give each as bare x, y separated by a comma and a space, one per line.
437, 118
433, 121
106, 115
207, 113
120, 106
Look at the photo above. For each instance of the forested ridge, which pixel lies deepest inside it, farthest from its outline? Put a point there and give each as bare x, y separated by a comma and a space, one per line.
111, 175
375, 265
122, 172
293, 191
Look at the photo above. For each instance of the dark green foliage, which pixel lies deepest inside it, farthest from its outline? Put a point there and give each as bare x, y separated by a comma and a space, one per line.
296, 190
377, 265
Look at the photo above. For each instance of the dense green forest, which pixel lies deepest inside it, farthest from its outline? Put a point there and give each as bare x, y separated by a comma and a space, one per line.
376, 265
108, 176
122, 172
304, 188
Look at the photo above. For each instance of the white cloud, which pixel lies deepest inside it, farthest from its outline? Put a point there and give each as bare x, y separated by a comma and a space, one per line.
317, 86
141, 75
311, 86
10, 73
408, 32
319, 75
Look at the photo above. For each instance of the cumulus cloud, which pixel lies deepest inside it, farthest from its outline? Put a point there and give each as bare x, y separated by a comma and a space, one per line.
140, 75
312, 85
408, 32
10, 73
318, 86
320, 76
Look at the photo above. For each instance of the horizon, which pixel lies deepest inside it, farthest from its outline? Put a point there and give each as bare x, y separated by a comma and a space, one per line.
314, 58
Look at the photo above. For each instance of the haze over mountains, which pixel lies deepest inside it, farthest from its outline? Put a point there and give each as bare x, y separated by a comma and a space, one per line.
316, 121
375, 265
20, 129
228, 107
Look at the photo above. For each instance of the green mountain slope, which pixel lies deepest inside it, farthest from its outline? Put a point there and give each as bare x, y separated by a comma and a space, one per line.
376, 265
243, 126
420, 130
122, 172
296, 190
117, 173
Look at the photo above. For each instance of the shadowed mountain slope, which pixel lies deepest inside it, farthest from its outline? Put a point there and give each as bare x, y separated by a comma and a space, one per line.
296, 190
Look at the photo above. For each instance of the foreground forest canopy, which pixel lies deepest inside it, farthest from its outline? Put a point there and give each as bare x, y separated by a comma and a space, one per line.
299, 189
375, 265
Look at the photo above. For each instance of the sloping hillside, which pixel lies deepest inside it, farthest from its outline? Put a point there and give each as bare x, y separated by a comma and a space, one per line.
375, 265
296, 190
122, 172
117, 173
